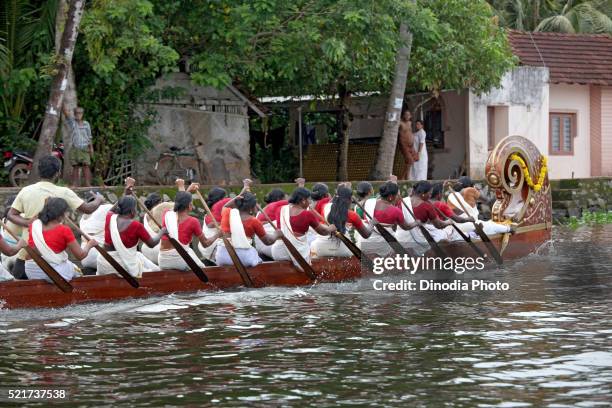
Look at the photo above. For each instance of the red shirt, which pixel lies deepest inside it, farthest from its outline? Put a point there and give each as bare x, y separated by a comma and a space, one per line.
353, 218
251, 226
272, 209
57, 238
425, 211
129, 236
216, 210
301, 222
320, 205
442, 206
390, 215
187, 229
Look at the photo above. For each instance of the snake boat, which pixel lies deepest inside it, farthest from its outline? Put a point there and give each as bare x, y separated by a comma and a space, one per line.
515, 170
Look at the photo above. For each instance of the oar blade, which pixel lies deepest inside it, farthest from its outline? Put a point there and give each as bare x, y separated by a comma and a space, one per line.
195, 268
57, 279
246, 278
120, 269
295, 254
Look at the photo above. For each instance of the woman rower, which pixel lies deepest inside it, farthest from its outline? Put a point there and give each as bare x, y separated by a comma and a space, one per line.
182, 227
241, 224
364, 194
121, 236
93, 225
339, 213
425, 212
153, 202
52, 239
216, 200
9, 250
320, 196
274, 200
385, 211
294, 221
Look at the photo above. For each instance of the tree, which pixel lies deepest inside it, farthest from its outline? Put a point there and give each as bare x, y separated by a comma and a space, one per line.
591, 17
59, 82
388, 143
565, 16
326, 48
26, 36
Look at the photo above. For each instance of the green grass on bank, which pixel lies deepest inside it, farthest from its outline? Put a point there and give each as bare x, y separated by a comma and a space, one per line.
590, 218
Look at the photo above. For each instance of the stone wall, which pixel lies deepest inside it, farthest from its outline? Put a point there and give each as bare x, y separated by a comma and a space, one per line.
570, 196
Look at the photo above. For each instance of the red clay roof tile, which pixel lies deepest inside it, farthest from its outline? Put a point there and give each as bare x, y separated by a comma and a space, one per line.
570, 58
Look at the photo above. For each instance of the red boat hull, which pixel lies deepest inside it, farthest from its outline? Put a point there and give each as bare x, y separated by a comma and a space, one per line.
39, 293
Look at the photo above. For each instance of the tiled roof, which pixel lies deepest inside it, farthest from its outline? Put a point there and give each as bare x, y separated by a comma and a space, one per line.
570, 58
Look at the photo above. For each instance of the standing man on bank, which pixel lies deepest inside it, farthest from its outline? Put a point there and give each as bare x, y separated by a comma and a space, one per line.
81, 150
406, 143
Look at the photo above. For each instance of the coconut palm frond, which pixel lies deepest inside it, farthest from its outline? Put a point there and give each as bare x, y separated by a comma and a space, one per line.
592, 19
557, 24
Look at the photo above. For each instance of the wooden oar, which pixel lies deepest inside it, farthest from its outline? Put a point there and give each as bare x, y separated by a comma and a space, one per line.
349, 244
391, 240
112, 261
304, 265
246, 279
465, 237
59, 281
480, 231
432, 242
195, 268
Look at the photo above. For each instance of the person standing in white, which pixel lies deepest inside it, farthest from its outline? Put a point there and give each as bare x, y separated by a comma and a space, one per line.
419, 168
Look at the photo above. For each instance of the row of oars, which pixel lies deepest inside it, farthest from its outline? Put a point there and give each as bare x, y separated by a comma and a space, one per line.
65, 286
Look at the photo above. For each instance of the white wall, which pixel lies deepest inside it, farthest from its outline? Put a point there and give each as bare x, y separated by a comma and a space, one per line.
576, 99
525, 92
606, 131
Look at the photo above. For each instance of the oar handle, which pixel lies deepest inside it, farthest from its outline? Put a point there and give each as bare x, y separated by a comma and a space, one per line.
208, 210
146, 210
362, 208
76, 227
462, 206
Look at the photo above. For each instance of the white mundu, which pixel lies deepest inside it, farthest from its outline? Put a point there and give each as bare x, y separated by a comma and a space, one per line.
260, 246
329, 245
209, 252
59, 262
132, 260
170, 258
375, 244
93, 225
241, 243
279, 250
150, 253
489, 227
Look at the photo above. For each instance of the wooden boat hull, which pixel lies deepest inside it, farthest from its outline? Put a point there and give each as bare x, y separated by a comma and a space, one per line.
42, 294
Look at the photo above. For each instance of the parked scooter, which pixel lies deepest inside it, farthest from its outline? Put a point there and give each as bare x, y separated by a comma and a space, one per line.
18, 163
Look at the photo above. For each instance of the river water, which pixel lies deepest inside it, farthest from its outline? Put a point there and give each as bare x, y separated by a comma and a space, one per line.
547, 341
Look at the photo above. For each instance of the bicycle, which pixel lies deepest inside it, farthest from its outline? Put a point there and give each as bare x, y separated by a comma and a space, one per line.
177, 163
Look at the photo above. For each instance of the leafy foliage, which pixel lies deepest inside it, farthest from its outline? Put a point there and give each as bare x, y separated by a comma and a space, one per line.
565, 16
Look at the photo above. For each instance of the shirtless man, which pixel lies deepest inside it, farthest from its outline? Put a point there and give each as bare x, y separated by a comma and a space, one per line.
406, 142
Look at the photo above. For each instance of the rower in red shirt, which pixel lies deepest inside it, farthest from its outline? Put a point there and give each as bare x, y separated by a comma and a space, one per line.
275, 200
184, 228
294, 221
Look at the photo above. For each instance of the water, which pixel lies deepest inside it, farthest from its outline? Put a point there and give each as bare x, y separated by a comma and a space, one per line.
545, 342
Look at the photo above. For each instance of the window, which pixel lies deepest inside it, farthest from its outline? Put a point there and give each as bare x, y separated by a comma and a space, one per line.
562, 133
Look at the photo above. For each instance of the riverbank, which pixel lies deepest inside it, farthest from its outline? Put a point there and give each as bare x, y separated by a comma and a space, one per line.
571, 197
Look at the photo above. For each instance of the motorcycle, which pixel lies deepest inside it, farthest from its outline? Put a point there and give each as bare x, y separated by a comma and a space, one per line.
18, 164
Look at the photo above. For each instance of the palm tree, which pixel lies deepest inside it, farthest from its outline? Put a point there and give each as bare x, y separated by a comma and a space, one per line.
522, 15
592, 17
26, 32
